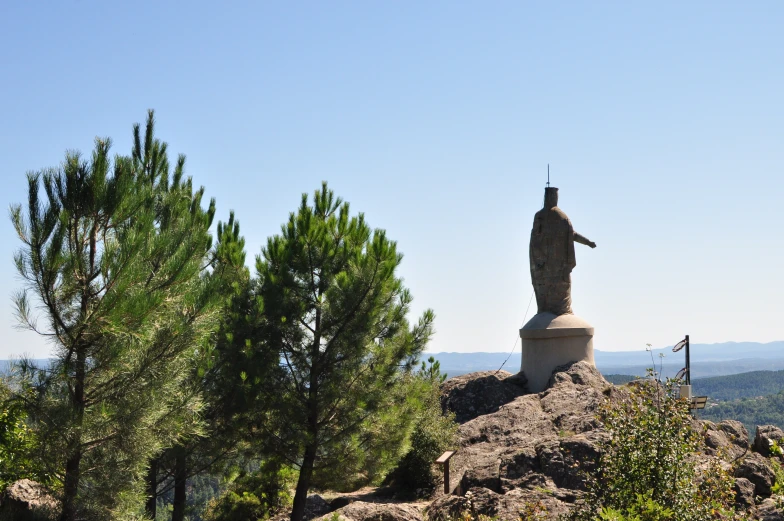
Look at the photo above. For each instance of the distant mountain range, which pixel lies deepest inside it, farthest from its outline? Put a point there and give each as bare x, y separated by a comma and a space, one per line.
706, 360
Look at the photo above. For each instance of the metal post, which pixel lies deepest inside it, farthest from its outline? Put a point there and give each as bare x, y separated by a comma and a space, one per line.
688, 363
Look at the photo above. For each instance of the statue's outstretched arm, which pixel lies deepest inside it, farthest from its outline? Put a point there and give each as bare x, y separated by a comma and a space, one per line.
583, 240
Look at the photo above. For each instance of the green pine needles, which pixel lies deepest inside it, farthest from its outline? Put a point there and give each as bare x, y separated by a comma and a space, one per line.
336, 313
113, 255
170, 360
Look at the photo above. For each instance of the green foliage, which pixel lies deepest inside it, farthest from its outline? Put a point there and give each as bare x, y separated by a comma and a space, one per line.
410, 420
644, 508
335, 315
113, 254
737, 386
434, 432
778, 469
19, 454
650, 450
254, 496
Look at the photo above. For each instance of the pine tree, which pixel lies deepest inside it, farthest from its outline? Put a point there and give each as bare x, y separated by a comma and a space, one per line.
335, 315
114, 256
216, 379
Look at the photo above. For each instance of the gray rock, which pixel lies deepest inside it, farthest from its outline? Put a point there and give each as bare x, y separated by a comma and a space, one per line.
26, 500
476, 394
728, 439
757, 469
484, 501
543, 505
531, 453
764, 436
486, 475
770, 511
363, 511
736, 432
340, 502
573, 397
316, 506
447, 508
567, 461
744, 493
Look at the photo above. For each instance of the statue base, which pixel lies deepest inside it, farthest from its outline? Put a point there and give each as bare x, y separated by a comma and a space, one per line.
551, 340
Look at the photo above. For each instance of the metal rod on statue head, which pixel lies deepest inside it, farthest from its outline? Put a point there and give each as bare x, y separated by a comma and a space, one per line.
688, 363
548, 174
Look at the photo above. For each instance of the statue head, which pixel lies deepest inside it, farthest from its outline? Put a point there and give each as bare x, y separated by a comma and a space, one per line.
550, 197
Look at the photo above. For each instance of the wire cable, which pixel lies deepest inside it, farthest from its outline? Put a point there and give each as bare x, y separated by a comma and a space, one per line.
518, 337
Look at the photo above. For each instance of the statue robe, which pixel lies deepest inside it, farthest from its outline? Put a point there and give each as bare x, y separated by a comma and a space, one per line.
552, 260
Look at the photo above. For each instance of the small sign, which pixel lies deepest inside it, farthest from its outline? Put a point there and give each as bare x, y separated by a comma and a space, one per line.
698, 402
444, 460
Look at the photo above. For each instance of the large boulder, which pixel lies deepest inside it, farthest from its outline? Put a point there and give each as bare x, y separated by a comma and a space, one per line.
744, 493
728, 439
364, 511
26, 500
447, 508
757, 469
532, 450
770, 510
476, 394
767, 435
316, 506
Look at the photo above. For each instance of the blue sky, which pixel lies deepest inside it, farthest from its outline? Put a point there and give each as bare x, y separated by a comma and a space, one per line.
663, 125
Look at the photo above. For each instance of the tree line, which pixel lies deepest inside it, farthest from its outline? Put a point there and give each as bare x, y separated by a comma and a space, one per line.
752, 384
764, 410
171, 360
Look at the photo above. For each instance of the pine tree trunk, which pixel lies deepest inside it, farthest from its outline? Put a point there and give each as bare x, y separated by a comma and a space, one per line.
303, 483
180, 477
73, 463
152, 489
309, 458
71, 487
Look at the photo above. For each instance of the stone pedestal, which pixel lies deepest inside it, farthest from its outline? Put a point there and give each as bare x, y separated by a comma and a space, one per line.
551, 340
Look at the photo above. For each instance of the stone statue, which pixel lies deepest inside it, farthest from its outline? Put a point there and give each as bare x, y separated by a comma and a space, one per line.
552, 256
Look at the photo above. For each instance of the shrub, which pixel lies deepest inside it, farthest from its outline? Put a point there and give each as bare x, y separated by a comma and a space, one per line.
255, 496
651, 449
433, 433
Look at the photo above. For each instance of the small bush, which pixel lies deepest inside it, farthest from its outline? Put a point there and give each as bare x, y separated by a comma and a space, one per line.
255, 496
434, 432
652, 449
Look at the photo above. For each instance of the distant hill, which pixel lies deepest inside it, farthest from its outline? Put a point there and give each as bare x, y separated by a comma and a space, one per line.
767, 410
706, 360
744, 385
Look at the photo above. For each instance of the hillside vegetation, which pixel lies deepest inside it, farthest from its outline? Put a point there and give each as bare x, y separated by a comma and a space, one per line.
766, 410
743, 385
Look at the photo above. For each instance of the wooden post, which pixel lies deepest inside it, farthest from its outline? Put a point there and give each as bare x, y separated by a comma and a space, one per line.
444, 460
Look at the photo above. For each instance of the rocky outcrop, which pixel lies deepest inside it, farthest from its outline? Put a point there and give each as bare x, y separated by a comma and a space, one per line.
530, 453
26, 500
476, 394
316, 506
744, 493
533, 451
765, 437
757, 469
364, 511
728, 439
769, 510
